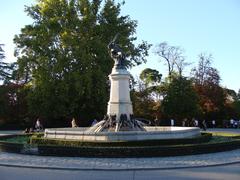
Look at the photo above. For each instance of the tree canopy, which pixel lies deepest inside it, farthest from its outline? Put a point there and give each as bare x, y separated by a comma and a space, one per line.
5, 68
181, 100
64, 55
150, 76
174, 57
207, 84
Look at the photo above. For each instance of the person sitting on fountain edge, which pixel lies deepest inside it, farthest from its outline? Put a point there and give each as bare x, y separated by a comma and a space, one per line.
73, 123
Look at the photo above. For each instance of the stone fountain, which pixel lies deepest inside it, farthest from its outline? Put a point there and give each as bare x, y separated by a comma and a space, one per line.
119, 124
119, 112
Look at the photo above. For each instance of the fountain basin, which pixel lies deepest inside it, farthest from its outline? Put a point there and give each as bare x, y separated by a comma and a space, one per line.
151, 133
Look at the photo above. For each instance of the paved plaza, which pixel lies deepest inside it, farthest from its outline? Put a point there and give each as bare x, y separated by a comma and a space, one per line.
78, 163
222, 165
226, 172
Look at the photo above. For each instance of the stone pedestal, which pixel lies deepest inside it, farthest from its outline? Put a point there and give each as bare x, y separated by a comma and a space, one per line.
119, 112
119, 103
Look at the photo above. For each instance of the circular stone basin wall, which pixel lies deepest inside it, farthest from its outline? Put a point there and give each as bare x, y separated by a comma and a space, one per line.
151, 133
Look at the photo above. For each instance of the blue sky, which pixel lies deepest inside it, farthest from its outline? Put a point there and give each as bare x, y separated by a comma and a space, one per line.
209, 26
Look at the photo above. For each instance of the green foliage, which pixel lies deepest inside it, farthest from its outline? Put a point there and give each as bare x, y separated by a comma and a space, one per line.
2, 64
13, 106
64, 56
172, 147
181, 100
143, 104
21, 139
150, 76
236, 106
5, 68
142, 100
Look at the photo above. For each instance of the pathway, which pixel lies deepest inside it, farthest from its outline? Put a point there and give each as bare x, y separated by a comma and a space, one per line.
222, 165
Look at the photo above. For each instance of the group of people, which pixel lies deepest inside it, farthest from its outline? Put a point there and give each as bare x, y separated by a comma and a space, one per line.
74, 123
193, 123
38, 127
232, 123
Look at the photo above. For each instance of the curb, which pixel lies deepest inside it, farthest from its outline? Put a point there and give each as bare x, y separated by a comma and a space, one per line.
123, 169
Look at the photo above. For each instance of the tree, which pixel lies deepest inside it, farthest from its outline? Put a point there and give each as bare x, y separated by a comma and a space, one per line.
206, 82
204, 73
173, 55
151, 79
2, 64
64, 55
5, 68
232, 104
142, 101
13, 106
181, 100
150, 76
236, 107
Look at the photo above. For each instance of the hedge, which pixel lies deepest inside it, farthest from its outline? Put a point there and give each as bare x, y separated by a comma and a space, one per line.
145, 151
124, 149
200, 146
10, 146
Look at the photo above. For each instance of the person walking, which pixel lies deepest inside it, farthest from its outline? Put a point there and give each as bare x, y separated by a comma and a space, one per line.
204, 125
213, 123
231, 122
196, 122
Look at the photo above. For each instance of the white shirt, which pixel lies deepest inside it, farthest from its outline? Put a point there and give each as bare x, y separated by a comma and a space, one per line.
38, 124
196, 122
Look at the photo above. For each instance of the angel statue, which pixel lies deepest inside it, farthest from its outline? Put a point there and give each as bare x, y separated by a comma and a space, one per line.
116, 53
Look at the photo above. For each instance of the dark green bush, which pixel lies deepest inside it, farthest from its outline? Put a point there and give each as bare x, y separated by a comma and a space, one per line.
10, 146
174, 147
144, 151
14, 143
